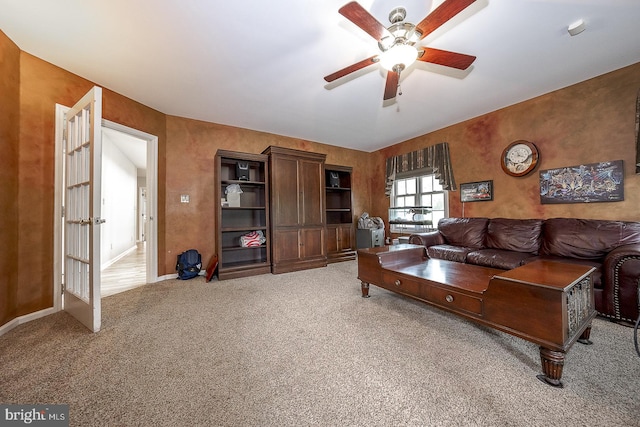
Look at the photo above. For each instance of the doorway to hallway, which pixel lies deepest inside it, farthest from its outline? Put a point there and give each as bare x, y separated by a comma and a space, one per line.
144, 243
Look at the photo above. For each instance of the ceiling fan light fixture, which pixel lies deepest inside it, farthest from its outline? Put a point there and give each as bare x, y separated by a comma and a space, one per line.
398, 54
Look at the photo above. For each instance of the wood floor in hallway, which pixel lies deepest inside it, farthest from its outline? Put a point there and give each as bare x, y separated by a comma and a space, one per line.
127, 273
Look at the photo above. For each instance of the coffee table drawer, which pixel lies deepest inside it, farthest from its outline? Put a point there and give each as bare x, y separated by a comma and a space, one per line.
400, 284
454, 300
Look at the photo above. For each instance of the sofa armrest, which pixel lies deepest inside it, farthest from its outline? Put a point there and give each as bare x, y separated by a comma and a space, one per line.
427, 239
621, 273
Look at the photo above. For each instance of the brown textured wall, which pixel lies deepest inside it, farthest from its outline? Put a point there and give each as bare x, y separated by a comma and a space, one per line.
42, 86
589, 122
191, 149
9, 134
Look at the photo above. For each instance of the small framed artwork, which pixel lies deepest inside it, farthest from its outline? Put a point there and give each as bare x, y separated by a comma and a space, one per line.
480, 191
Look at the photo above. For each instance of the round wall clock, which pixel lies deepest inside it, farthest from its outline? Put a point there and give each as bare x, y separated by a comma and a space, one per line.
519, 158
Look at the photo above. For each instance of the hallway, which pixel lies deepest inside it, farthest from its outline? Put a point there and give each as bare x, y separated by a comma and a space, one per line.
127, 273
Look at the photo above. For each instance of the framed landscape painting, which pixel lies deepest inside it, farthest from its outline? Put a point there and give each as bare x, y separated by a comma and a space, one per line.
593, 182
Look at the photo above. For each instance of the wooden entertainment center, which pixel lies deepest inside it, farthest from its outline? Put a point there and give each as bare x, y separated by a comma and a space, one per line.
545, 302
300, 207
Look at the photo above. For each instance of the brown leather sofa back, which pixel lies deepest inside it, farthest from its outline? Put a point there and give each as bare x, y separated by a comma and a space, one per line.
465, 232
630, 233
581, 238
518, 235
612, 247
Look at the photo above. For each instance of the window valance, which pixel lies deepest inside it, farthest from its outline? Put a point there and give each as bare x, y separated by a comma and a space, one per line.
434, 159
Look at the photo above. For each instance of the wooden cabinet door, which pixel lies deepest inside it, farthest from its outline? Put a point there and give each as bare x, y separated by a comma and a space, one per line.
286, 246
345, 239
286, 194
312, 243
333, 239
312, 200
339, 238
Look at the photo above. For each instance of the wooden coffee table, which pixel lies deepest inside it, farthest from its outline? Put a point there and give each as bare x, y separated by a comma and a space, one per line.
545, 302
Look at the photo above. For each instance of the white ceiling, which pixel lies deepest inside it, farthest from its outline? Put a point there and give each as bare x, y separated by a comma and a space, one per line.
260, 64
134, 149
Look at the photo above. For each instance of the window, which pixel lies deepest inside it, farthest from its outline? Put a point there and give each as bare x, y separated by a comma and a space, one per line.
413, 192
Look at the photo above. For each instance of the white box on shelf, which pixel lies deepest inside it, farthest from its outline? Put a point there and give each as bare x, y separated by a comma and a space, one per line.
233, 199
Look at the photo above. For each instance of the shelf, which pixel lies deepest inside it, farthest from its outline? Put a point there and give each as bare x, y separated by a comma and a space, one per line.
244, 258
242, 229
242, 248
244, 264
236, 181
339, 214
337, 177
252, 214
243, 218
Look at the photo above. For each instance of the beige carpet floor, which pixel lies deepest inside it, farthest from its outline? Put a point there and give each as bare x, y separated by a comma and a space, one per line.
304, 349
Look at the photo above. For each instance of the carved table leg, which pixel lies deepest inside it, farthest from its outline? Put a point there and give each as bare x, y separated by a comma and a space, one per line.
584, 338
365, 289
552, 364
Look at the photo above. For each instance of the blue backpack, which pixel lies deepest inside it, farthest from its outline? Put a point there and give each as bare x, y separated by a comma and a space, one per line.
189, 264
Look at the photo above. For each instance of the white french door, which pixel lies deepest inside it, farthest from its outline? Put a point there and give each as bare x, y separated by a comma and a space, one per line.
83, 152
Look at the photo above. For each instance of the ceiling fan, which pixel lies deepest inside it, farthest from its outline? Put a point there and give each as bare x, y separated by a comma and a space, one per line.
397, 42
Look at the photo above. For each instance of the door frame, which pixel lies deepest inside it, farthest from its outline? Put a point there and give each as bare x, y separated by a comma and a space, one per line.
152, 195
152, 200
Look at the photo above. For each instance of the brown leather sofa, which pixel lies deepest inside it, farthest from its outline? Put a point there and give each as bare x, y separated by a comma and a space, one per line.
612, 247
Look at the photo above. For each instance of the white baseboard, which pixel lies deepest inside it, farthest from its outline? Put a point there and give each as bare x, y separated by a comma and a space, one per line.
118, 258
47, 311
203, 272
26, 318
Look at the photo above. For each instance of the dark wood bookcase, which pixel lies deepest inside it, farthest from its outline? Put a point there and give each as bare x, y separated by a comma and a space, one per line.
252, 214
339, 213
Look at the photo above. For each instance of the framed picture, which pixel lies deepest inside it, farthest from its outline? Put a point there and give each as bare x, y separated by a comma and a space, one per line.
593, 182
480, 191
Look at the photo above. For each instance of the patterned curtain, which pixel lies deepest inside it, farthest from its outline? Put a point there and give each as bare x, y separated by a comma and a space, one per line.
435, 158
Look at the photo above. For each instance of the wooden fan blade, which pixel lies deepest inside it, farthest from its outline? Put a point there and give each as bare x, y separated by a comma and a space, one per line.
442, 14
446, 58
351, 68
363, 19
391, 87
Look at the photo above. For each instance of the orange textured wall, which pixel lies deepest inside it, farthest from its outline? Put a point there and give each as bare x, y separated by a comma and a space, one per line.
9, 138
192, 148
589, 122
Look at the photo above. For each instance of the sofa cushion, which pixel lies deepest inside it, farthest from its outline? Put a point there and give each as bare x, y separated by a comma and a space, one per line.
466, 232
449, 252
580, 238
499, 258
520, 235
